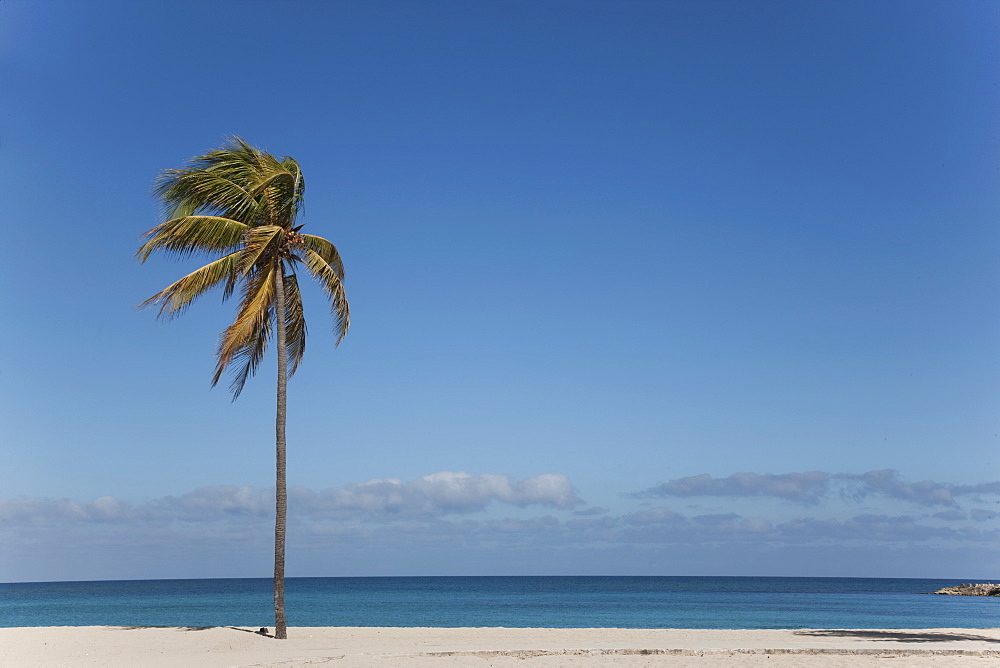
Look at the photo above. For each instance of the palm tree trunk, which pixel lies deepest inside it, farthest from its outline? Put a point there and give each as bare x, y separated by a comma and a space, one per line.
280, 491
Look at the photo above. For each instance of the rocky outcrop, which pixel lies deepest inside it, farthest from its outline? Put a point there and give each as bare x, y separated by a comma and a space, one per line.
983, 589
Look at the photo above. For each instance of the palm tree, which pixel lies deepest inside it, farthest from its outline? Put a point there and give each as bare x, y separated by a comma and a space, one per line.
242, 203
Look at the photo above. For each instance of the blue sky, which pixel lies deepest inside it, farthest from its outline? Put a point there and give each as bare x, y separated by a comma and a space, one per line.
636, 287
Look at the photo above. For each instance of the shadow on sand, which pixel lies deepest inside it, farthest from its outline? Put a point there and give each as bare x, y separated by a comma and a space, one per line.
898, 636
196, 628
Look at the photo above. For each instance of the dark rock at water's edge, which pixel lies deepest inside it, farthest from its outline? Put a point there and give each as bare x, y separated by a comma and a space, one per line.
982, 589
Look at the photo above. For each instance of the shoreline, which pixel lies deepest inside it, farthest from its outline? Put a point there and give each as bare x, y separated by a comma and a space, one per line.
210, 647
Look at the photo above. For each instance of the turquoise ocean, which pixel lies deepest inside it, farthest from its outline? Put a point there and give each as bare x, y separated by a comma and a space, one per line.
559, 602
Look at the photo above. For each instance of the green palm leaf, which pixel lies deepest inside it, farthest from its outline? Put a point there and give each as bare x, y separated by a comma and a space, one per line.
325, 250
191, 234
178, 296
295, 323
254, 312
262, 244
246, 360
334, 287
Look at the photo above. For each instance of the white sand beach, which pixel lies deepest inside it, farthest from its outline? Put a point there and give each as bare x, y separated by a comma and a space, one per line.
197, 647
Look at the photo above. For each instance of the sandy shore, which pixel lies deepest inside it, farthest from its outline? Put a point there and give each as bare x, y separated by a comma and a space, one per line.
198, 647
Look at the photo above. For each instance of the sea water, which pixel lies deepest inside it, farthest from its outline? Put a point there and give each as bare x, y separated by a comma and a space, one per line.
557, 602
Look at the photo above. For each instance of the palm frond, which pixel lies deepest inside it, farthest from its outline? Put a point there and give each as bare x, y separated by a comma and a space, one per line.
295, 323
261, 244
300, 182
280, 178
249, 356
179, 295
254, 313
181, 209
192, 234
207, 191
236, 181
243, 202
334, 287
326, 250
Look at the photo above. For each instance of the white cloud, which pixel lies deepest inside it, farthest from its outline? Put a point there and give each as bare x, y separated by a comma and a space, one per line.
436, 495
591, 512
388, 499
35, 512
212, 503
435, 514
925, 492
812, 486
807, 486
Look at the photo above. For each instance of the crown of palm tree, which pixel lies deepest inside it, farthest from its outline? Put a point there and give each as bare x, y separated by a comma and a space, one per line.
242, 203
